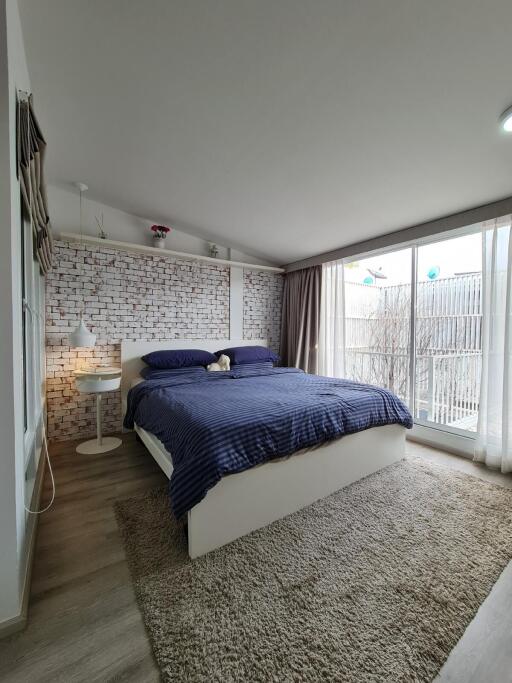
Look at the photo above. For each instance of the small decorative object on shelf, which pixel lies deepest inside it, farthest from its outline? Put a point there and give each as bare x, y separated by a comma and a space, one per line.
213, 252
159, 235
101, 232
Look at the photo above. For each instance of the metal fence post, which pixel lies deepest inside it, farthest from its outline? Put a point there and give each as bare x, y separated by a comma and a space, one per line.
430, 388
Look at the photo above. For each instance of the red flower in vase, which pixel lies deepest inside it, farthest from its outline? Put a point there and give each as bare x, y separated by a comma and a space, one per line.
160, 231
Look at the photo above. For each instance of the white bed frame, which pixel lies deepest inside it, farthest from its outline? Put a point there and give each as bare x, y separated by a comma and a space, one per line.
243, 502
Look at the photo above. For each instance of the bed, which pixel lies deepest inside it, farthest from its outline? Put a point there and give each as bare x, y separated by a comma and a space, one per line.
249, 447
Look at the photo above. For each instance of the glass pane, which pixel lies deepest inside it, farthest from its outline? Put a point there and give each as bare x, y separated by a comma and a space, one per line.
24, 321
377, 321
448, 332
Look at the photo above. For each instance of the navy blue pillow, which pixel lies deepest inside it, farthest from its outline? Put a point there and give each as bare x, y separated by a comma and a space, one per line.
238, 355
180, 358
157, 373
258, 366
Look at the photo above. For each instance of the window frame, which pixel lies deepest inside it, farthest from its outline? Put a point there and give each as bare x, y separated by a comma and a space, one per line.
34, 369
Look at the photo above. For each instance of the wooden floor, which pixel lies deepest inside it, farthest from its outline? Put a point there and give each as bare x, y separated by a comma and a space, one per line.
84, 623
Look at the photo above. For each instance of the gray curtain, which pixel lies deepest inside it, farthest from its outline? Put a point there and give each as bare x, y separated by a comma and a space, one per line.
31, 148
300, 323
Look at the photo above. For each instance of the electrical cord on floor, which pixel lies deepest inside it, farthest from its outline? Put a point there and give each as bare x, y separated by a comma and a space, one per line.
45, 445
35, 314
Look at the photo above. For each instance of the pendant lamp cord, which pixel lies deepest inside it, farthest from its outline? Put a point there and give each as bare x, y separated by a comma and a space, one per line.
79, 277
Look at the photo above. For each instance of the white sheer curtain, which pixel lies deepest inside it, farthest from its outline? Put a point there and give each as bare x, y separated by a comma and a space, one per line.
331, 346
493, 444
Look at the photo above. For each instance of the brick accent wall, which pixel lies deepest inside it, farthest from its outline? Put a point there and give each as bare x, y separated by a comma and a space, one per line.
263, 293
136, 296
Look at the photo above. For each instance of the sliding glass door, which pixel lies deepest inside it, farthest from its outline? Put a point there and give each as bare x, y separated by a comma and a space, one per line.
378, 321
410, 321
448, 333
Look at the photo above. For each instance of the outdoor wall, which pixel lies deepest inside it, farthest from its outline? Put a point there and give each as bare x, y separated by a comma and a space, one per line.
137, 296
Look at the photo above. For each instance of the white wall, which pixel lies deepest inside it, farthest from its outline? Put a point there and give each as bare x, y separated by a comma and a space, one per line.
13, 74
65, 216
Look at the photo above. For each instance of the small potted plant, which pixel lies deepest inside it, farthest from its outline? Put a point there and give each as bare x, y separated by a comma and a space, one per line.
101, 232
159, 235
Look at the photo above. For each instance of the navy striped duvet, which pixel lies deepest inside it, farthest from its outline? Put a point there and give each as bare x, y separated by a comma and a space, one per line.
220, 423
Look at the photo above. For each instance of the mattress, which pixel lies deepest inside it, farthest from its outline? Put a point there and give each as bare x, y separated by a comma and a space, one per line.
156, 443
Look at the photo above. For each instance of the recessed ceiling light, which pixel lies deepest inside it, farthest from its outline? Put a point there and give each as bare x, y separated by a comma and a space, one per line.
506, 120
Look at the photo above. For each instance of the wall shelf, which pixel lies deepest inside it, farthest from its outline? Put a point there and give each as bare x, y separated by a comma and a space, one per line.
143, 249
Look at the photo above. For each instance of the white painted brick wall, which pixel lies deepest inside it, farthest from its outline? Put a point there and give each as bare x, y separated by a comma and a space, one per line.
262, 306
136, 296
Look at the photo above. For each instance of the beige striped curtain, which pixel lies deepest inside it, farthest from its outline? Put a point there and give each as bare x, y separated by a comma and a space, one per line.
300, 323
31, 148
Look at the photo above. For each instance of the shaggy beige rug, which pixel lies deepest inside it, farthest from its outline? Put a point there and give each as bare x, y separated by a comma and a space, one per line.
375, 583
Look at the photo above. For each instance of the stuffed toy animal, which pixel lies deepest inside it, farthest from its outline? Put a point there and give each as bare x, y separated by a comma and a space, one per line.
222, 364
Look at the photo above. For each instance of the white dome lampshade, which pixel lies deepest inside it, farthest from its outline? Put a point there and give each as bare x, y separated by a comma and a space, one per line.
81, 336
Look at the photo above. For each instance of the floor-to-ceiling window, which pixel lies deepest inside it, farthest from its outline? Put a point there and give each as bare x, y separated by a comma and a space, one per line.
377, 320
448, 333
411, 321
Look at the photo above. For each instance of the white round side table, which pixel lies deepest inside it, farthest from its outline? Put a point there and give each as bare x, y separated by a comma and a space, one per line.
98, 381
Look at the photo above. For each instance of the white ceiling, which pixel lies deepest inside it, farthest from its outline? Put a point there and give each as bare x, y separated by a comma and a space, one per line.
283, 127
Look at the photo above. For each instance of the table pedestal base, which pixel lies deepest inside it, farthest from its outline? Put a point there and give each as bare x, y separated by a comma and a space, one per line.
108, 443
101, 444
